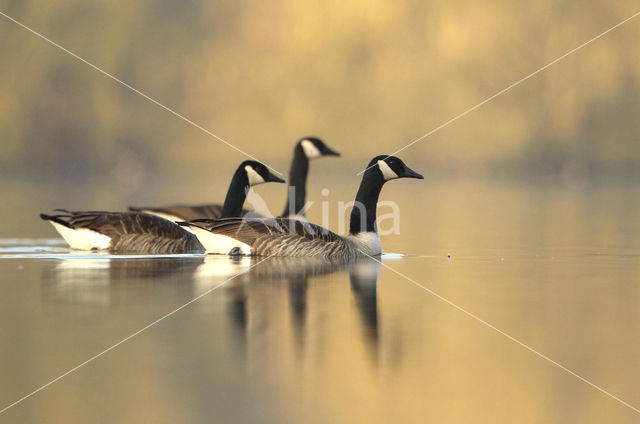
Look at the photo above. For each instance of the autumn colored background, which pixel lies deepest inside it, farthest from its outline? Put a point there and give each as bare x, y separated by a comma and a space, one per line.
368, 77
527, 217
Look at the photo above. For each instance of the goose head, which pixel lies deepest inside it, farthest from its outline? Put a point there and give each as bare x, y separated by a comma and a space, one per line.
391, 168
314, 148
257, 173
381, 169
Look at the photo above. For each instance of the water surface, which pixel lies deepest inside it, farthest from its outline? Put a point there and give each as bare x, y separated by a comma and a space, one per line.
307, 341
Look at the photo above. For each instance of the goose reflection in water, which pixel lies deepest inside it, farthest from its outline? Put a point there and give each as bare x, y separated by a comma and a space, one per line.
364, 286
253, 298
272, 273
94, 280
257, 296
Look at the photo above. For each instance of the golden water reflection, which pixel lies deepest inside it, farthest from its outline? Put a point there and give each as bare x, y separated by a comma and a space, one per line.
291, 340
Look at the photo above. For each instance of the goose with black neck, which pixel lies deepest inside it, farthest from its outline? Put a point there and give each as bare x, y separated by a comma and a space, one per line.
306, 149
138, 232
290, 237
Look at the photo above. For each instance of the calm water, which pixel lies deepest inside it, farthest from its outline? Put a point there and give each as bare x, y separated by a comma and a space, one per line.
303, 341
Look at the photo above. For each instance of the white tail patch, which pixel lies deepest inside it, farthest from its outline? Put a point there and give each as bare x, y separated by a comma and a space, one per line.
310, 149
387, 172
168, 217
82, 238
217, 243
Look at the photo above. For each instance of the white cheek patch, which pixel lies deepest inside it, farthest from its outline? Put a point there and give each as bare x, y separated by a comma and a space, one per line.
387, 172
310, 149
254, 177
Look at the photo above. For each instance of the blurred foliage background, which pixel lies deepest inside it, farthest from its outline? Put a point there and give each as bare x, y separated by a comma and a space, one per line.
368, 77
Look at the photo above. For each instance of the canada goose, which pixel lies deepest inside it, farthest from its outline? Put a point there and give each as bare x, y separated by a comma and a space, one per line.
131, 232
138, 232
291, 237
306, 149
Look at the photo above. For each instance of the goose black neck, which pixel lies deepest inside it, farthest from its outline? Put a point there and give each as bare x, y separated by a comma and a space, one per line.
363, 214
236, 194
297, 191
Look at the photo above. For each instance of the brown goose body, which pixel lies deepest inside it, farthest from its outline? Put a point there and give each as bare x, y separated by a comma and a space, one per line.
138, 232
278, 237
126, 232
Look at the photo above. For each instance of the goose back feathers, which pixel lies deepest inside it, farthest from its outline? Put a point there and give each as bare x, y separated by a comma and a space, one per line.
275, 236
186, 212
131, 232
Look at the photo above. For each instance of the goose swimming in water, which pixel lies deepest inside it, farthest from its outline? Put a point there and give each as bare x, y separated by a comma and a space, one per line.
306, 149
291, 237
138, 232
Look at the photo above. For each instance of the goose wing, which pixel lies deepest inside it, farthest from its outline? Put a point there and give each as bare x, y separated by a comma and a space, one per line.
131, 231
187, 212
277, 236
